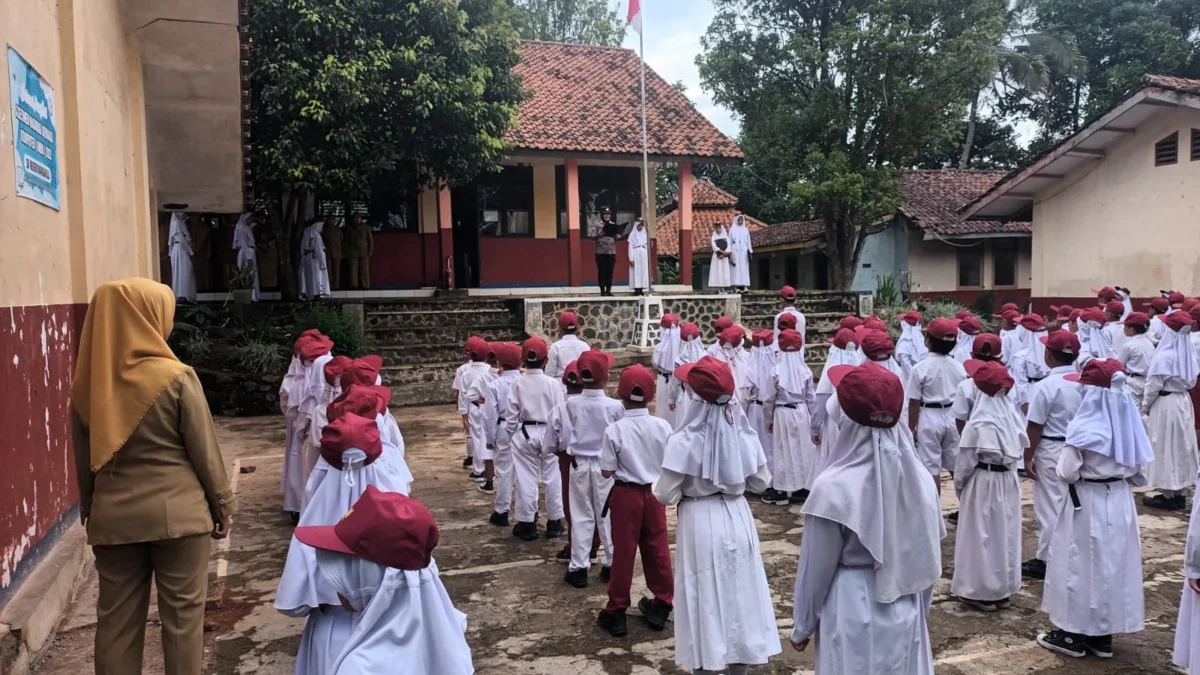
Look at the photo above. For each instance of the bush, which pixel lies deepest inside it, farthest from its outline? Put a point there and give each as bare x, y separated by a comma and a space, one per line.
193, 345
886, 292
336, 324
668, 271
259, 357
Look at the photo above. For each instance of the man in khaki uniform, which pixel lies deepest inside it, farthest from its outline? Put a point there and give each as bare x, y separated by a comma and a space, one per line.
360, 246
152, 486
334, 237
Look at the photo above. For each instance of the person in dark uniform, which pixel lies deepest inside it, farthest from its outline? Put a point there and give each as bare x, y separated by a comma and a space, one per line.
606, 251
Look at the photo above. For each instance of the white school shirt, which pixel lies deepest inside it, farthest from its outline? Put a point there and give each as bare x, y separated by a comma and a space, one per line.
497, 395
1054, 402
964, 399
589, 415
801, 325
558, 429
531, 398
1136, 354
1116, 335
1010, 344
935, 379
464, 377
634, 446
567, 349
1156, 329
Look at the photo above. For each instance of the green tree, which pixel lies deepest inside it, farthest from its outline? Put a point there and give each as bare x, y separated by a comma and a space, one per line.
591, 22
347, 95
836, 96
994, 146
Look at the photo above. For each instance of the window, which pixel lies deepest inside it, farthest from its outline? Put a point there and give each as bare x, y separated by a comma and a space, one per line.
505, 202
617, 188
1196, 145
1166, 151
970, 267
1004, 263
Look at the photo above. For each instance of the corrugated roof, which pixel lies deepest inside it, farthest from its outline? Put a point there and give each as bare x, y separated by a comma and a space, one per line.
585, 98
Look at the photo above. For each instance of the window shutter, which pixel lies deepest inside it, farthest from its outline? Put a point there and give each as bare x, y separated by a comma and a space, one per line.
1166, 151
1196, 145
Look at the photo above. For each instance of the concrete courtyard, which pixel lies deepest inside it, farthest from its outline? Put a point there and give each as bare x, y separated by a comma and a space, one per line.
524, 620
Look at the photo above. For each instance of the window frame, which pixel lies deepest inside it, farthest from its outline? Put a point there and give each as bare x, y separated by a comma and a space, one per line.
980, 250
1013, 246
507, 192
1195, 154
1172, 138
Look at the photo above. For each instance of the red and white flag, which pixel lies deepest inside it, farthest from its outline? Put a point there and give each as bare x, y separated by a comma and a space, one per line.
635, 15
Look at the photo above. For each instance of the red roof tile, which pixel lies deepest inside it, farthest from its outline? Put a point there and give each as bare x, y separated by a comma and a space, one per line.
1177, 83
710, 205
932, 198
585, 98
781, 234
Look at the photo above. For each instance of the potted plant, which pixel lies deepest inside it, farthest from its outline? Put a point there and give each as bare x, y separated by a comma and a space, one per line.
241, 285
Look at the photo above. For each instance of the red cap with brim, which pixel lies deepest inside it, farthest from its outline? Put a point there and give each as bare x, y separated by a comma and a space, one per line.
1107, 293
386, 528
849, 323
571, 374
1097, 373
991, 377
910, 318
790, 341
689, 331
1033, 323
763, 337
787, 293
1010, 307
1094, 315
712, 380
788, 320
1159, 305
594, 365
836, 374
876, 345
508, 356
668, 321
722, 323
1115, 308
842, 338
942, 329
1063, 341
1062, 310
872, 396
535, 349
636, 384
681, 373
567, 321
987, 344
1177, 321
348, 432
970, 325
1137, 319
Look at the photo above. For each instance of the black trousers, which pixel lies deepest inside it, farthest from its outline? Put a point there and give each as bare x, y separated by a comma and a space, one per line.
604, 265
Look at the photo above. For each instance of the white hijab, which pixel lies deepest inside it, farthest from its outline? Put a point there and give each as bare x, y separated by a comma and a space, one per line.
690, 351
874, 484
738, 232
716, 443
291, 389
666, 352
912, 342
1031, 350
761, 366
1099, 343
1174, 356
739, 363
1108, 423
404, 618
995, 425
243, 235
179, 234
966, 342
850, 356
792, 373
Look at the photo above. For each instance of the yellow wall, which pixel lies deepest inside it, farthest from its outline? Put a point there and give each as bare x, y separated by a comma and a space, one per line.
103, 231
933, 265
1122, 219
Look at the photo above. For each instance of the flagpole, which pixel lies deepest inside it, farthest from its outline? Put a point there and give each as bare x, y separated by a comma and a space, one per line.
645, 152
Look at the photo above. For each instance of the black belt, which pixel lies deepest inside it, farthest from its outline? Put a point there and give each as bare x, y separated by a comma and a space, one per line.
998, 468
1035, 380
1142, 375
619, 483
793, 406
665, 376
1168, 393
499, 421
936, 406
529, 423
1060, 439
758, 402
1075, 503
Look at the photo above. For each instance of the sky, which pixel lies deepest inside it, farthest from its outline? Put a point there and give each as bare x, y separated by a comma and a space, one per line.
672, 38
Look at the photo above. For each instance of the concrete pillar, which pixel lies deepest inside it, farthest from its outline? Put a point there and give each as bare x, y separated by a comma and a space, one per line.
445, 236
685, 223
574, 244
545, 202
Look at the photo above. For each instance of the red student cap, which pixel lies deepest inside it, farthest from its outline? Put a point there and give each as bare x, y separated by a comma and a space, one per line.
942, 329
568, 320
534, 349
849, 323
476, 347
763, 337
964, 314
872, 396
842, 338
875, 323
571, 373
1033, 322
669, 321
364, 401
334, 369
790, 340
1159, 305
788, 320
1176, 298
1061, 341
712, 380
362, 371
508, 355
1107, 293
387, 528
1010, 307
877, 345
1137, 319
787, 293
991, 377
987, 345
722, 323
1177, 321
594, 365
970, 325
1098, 372
911, 318
315, 347
1115, 308
734, 335
1062, 310
347, 432
636, 384
689, 331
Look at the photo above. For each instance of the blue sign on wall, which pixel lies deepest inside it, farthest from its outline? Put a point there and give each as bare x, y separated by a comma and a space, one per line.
35, 139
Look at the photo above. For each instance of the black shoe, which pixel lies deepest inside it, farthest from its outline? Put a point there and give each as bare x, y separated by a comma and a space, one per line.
564, 556
798, 497
979, 604
1067, 644
1159, 502
605, 574
953, 517
468, 462
294, 516
1021, 473
1180, 503
613, 622
526, 531
1003, 604
1100, 647
576, 578
774, 497
487, 488
478, 477
1033, 569
499, 519
655, 613
554, 529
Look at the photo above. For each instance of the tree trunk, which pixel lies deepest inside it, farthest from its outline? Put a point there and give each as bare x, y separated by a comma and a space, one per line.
843, 249
287, 228
964, 162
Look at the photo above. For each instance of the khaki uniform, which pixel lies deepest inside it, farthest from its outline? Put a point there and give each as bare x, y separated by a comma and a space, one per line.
201, 252
360, 246
334, 236
149, 512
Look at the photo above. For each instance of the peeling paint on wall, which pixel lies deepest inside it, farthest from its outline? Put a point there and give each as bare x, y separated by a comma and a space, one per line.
36, 438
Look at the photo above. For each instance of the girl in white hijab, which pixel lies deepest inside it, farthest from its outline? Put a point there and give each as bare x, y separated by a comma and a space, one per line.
739, 244
1028, 364
720, 269
843, 351
1171, 423
724, 616
1094, 577
244, 244
666, 353
733, 352
910, 348
314, 275
968, 328
789, 401
760, 370
179, 246
987, 549
352, 452
1187, 627
691, 350
378, 560
872, 541
1095, 342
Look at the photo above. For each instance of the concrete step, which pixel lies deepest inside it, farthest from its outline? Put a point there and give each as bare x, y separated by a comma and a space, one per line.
434, 336
449, 318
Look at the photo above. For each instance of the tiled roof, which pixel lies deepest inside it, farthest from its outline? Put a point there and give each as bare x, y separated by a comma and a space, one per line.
704, 221
705, 193
585, 98
932, 199
782, 234
1176, 83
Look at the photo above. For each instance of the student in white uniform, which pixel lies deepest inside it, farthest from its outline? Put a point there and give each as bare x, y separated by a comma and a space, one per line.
567, 348
1115, 329
1136, 353
871, 552
789, 403
477, 350
1052, 405
722, 324
1187, 627
1094, 582
314, 272
761, 368
720, 270
987, 548
931, 388
639, 257
724, 615
558, 435
179, 246
1009, 329
302, 451
1093, 341
632, 456
987, 348
588, 415
968, 328
1157, 309
741, 246
531, 398
733, 351
843, 351
910, 348
490, 393
787, 300
1172, 422
379, 561
1028, 365
666, 353
690, 351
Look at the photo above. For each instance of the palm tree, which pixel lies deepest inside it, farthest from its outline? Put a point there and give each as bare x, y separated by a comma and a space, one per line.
1024, 58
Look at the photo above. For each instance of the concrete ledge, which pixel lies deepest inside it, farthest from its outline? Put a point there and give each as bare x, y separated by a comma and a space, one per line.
30, 618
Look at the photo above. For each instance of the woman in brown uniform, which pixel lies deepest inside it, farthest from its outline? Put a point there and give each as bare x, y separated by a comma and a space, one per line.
152, 483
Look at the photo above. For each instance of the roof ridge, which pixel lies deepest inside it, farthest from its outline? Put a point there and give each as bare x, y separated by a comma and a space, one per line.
579, 45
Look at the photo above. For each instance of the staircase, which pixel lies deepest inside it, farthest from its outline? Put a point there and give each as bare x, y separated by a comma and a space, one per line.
822, 312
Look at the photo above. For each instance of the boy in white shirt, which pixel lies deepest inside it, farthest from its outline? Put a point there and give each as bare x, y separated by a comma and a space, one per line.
632, 455
567, 348
930, 390
1136, 353
1114, 329
558, 435
530, 400
719, 326
787, 298
589, 415
477, 350
491, 394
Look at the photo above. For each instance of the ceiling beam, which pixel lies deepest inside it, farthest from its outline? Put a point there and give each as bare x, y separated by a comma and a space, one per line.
1085, 152
1119, 130
1048, 176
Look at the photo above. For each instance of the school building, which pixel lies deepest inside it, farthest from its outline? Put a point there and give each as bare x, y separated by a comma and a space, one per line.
109, 110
